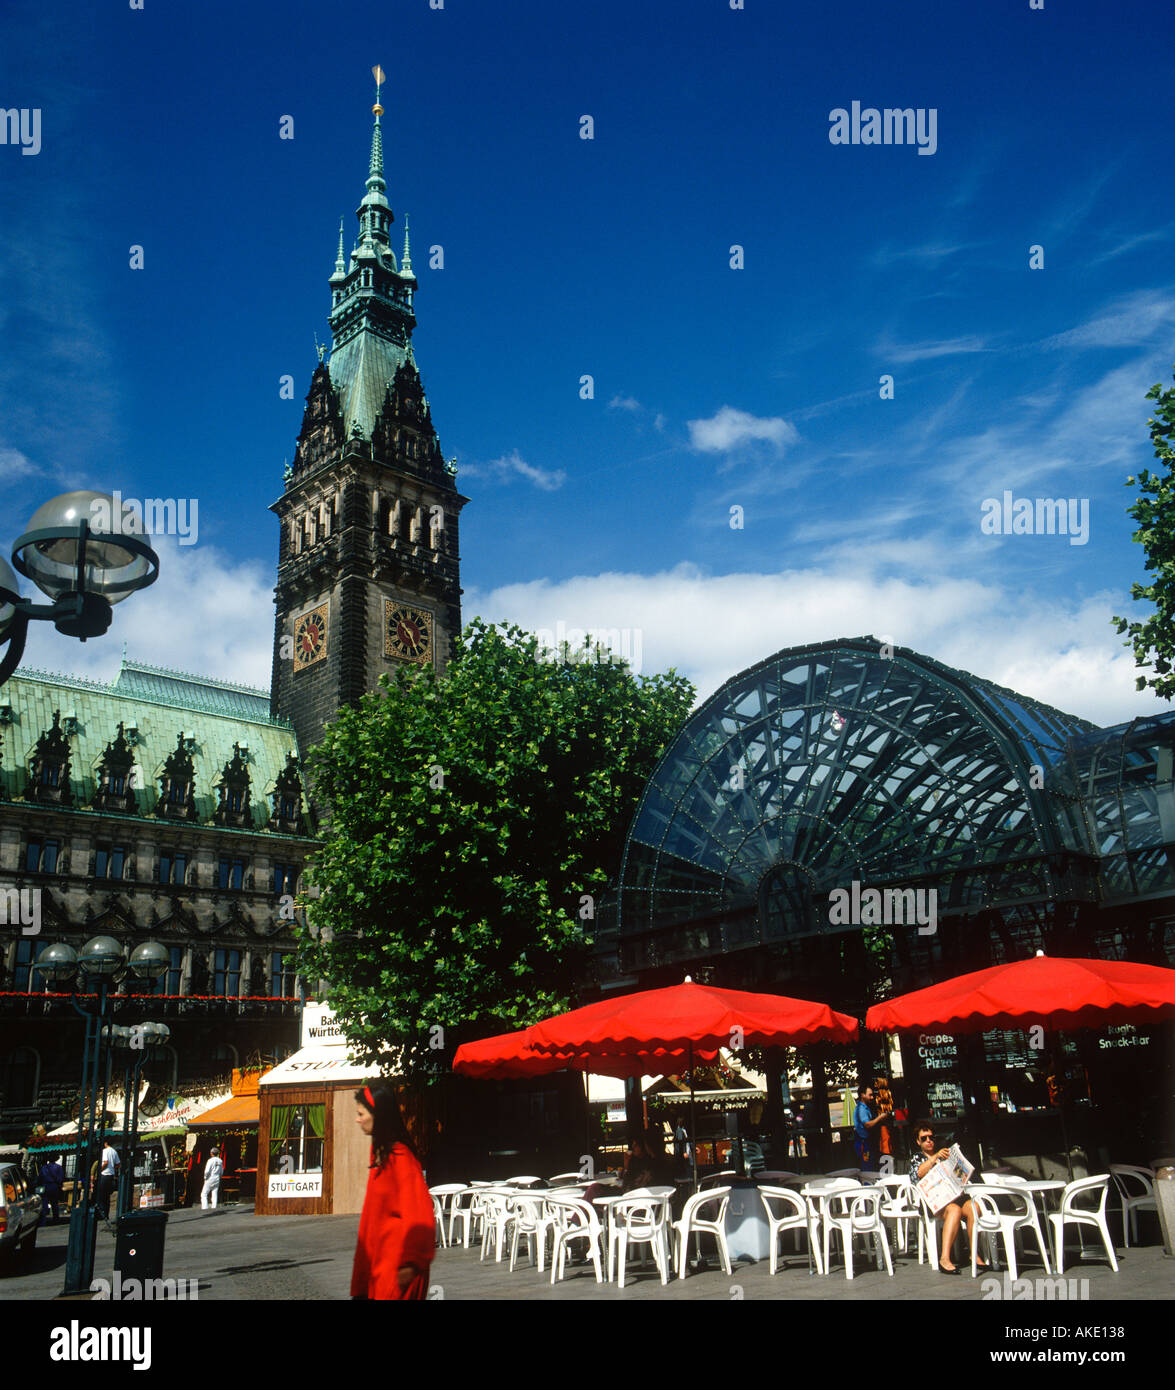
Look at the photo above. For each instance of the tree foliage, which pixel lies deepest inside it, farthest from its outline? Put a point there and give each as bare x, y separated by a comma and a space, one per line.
469, 816
1153, 638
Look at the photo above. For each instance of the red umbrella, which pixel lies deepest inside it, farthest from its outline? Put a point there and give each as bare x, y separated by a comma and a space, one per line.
691, 1016
511, 1055
696, 1016
1057, 993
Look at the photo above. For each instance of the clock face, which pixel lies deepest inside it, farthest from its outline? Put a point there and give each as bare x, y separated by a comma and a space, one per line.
407, 633
310, 638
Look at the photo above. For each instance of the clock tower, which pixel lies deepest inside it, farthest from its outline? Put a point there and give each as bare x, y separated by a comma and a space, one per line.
368, 576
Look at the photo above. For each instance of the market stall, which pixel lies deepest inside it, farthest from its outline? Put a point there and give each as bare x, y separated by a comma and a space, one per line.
312, 1157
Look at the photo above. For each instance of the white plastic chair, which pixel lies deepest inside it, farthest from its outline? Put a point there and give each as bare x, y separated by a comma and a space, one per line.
641, 1220
850, 1214
1018, 1213
574, 1220
846, 1173
529, 1221
717, 1179
522, 1182
821, 1190
496, 1217
753, 1160
573, 1179
899, 1205
1077, 1211
927, 1231
1141, 1199
792, 1215
692, 1222
466, 1210
443, 1197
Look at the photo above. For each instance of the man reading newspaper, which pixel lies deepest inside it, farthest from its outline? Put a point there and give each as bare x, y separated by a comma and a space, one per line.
940, 1176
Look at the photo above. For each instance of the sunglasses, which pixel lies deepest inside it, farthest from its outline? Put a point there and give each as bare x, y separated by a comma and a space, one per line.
925, 1137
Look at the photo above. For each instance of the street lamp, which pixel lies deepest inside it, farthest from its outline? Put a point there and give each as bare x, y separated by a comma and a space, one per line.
78, 554
137, 1043
95, 969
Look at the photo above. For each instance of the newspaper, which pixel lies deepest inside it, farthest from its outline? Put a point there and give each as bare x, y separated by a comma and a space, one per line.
946, 1180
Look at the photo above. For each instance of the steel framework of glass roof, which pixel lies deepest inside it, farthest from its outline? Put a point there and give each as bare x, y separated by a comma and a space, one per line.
854, 761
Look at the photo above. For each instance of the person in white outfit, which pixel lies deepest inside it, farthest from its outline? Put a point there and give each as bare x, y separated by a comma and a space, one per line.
212, 1171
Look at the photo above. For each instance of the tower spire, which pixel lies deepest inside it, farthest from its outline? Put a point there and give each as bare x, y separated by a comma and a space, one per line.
375, 175
340, 262
406, 258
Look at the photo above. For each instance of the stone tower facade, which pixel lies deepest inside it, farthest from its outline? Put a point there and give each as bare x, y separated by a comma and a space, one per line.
368, 565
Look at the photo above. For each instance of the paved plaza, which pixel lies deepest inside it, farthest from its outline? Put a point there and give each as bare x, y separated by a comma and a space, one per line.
235, 1255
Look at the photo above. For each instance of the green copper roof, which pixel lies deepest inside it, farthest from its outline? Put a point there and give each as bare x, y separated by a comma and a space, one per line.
179, 689
371, 314
158, 705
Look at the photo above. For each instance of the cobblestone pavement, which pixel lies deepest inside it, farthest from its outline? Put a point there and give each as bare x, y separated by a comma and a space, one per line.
236, 1255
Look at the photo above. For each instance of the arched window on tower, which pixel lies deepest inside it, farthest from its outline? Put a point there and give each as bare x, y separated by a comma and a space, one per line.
385, 516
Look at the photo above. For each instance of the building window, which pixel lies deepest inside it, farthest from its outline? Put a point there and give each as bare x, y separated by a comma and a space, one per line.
22, 977
226, 974
41, 856
282, 974
232, 873
285, 876
109, 861
171, 981
173, 868
297, 1134
21, 1076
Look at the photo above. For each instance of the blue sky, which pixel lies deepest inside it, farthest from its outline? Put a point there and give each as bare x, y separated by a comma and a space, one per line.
715, 388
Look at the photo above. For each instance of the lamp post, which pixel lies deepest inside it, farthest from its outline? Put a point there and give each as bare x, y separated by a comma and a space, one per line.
78, 554
93, 971
136, 1042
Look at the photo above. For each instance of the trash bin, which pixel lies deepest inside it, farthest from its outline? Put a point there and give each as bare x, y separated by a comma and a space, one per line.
1165, 1202
138, 1244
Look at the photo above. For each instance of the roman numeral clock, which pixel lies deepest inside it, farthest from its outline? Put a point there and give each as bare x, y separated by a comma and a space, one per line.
407, 633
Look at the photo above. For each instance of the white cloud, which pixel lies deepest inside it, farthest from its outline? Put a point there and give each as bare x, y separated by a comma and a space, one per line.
921, 352
511, 466
14, 464
204, 614
729, 429
624, 403
1064, 653
1129, 322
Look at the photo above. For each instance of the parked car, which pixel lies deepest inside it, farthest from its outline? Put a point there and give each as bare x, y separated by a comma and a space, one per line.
20, 1213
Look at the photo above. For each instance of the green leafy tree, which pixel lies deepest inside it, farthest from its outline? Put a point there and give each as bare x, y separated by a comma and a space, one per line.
474, 819
1153, 638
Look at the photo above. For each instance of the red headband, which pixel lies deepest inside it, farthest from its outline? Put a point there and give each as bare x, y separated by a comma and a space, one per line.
369, 1098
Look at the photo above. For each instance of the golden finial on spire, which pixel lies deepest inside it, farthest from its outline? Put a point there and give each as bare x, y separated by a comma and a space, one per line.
378, 73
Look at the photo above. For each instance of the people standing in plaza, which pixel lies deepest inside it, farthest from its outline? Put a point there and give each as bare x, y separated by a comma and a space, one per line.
865, 1122
52, 1179
108, 1166
397, 1231
212, 1173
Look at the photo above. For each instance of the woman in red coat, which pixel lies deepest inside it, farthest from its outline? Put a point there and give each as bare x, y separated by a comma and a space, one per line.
397, 1237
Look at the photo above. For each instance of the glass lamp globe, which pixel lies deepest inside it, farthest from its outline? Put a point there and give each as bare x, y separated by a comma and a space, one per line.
149, 961
155, 1033
57, 963
8, 593
101, 956
113, 568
